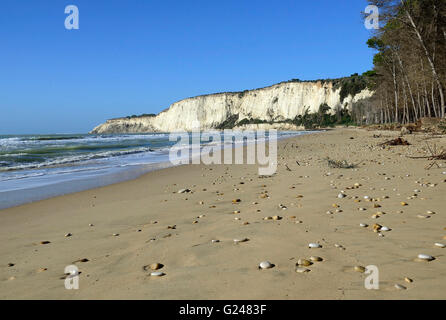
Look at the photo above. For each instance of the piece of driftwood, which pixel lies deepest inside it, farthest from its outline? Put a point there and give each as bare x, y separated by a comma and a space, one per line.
395, 142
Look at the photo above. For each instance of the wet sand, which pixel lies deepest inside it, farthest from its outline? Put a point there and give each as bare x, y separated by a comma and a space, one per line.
123, 227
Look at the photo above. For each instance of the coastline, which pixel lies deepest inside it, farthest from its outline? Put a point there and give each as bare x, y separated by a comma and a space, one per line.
196, 268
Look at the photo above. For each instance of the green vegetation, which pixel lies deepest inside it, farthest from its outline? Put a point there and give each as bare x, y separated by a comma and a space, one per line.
228, 123
141, 116
323, 118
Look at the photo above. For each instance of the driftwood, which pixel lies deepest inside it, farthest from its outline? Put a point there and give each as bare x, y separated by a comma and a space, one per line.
435, 155
395, 142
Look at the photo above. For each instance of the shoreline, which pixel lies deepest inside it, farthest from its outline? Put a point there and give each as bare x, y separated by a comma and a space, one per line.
90, 178
143, 221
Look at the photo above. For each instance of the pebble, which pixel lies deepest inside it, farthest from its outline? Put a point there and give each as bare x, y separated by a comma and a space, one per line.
302, 270
266, 265
314, 245
400, 287
425, 257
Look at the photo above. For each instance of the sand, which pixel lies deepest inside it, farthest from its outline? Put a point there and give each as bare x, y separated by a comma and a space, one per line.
145, 221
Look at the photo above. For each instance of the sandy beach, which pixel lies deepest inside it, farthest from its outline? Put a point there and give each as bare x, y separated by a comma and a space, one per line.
120, 229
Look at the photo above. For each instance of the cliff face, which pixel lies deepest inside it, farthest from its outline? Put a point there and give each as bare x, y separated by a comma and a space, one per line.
276, 103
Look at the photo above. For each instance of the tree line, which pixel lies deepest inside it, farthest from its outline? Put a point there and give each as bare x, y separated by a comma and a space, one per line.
409, 76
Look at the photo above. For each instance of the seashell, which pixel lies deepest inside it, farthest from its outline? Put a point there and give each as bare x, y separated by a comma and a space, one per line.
302, 270
440, 245
184, 191
421, 216
11, 265
268, 218
91, 225
42, 270
334, 205
316, 259
404, 204
377, 227
363, 225
360, 269
45, 242
314, 245
157, 274
266, 265
215, 241
238, 219
366, 197
362, 209
68, 235
430, 212
115, 234
81, 260
400, 287
408, 280
241, 240
425, 257
341, 196
304, 262
236, 212
276, 218
236, 201
385, 229
153, 266
376, 206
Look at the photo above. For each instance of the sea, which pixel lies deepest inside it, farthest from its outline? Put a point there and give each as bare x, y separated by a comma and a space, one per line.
37, 167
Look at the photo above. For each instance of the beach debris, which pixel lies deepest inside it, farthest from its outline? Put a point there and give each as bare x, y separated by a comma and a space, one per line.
45, 242
400, 287
184, 191
304, 262
68, 235
236, 201
425, 257
341, 164
281, 206
276, 218
314, 245
408, 280
215, 241
395, 142
342, 195
157, 274
11, 265
115, 234
172, 227
385, 228
440, 245
404, 204
359, 269
302, 270
266, 265
377, 227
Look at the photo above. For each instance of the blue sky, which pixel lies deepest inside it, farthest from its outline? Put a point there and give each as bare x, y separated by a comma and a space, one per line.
139, 56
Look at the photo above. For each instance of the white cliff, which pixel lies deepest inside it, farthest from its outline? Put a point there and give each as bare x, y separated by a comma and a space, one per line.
273, 104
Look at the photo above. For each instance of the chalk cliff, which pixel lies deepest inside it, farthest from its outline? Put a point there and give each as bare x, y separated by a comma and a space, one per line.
273, 104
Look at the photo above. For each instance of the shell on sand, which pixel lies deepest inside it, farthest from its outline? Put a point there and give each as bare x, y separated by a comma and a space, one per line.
157, 274
45, 242
400, 287
408, 280
266, 265
153, 266
241, 240
363, 225
304, 262
425, 257
440, 245
314, 245
360, 269
316, 259
302, 270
